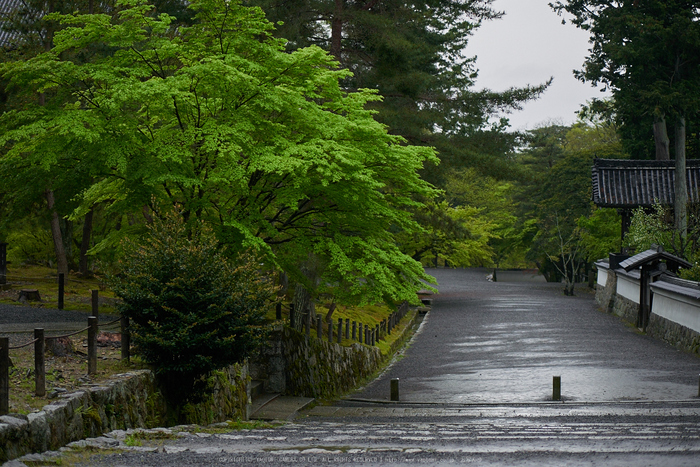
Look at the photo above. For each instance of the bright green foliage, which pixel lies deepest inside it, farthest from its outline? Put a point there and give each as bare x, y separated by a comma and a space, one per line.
570, 232
217, 118
496, 238
600, 233
28, 242
413, 54
456, 234
655, 227
649, 228
192, 309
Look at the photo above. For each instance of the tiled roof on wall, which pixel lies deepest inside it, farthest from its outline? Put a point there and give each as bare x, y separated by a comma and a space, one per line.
633, 183
7, 7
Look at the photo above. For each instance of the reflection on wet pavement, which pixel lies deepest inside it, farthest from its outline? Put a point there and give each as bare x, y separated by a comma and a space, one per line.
503, 342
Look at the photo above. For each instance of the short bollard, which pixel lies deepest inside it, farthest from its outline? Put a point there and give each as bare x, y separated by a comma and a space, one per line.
347, 328
395, 389
354, 330
319, 327
556, 388
340, 331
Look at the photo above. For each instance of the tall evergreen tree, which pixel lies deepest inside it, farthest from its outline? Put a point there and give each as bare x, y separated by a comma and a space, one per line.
648, 53
413, 54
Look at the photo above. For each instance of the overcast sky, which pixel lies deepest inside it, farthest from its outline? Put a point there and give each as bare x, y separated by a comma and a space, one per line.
528, 46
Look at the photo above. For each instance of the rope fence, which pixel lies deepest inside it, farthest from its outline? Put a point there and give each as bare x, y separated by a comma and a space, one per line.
15, 347
357, 331
39, 342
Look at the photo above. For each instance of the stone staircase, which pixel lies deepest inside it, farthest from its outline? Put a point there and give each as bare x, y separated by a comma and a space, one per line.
273, 406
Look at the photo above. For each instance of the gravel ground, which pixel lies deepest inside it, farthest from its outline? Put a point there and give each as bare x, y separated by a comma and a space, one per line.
18, 322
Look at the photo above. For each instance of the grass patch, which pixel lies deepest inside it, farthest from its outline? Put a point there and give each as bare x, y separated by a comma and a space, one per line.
237, 425
77, 290
369, 315
138, 437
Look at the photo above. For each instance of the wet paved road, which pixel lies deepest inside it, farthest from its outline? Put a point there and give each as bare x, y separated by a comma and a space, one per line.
474, 388
502, 342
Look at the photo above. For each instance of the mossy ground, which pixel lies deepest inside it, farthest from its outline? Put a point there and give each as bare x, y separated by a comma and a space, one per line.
69, 373
77, 290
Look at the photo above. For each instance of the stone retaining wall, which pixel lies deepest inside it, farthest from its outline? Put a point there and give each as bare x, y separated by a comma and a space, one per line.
312, 367
675, 334
626, 309
130, 400
296, 365
320, 369
675, 310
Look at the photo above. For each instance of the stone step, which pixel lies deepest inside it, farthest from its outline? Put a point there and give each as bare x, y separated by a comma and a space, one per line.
260, 400
256, 388
281, 408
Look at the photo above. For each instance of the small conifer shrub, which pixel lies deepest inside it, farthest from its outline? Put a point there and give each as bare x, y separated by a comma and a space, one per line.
192, 309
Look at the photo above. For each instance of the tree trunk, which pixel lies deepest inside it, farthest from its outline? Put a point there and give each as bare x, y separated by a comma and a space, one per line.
661, 140
85, 244
569, 287
680, 202
337, 30
67, 235
61, 260
302, 299
331, 309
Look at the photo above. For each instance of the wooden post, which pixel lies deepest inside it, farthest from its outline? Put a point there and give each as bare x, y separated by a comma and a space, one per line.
340, 330
39, 367
126, 339
95, 303
394, 393
92, 345
4, 375
354, 330
330, 331
556, 388
3, 263
347, 328
359, 333
61, 289
319, 327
